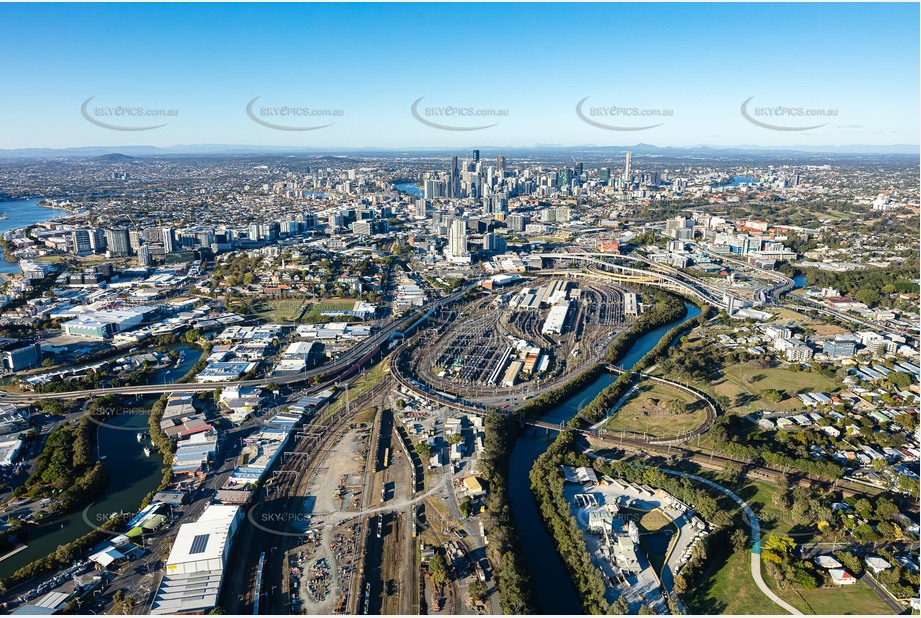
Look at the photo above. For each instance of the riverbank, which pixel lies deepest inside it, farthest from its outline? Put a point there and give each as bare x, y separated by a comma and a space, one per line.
20, 214
554, 591
131, 477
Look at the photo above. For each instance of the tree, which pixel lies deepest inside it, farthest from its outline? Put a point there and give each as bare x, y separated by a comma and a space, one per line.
466, 507
400, 404
677, 406
782, 544
192, 335
739, 540
772, 395
899, 379
438, 570
886, 509
477, 591
864, 508
455, 438
424, 449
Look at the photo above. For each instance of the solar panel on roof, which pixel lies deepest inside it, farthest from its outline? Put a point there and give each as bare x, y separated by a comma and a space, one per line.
199, 543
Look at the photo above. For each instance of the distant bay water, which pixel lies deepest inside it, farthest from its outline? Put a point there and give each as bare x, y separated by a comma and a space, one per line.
19, 214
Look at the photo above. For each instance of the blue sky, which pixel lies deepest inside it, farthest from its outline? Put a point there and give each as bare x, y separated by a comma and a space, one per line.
372, 61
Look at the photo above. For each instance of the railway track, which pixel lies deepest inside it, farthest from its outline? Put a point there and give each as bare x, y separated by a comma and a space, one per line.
279, 496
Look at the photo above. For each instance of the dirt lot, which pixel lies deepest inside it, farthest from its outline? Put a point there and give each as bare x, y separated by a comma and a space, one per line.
323, 565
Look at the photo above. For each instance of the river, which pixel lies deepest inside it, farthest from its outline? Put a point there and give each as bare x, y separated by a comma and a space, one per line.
739, 180
23, 213
553, 588
409, 187
132, 475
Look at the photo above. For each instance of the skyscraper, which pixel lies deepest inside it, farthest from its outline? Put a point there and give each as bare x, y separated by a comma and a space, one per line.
144, 255
453, 179
80, 240
476, 156
118, 242
627, 167
169, 239
457, 238
500, 163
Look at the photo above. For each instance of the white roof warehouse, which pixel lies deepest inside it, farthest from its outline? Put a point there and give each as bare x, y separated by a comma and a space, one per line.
195, 567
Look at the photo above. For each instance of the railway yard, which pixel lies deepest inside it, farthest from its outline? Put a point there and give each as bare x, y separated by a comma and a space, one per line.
531, 337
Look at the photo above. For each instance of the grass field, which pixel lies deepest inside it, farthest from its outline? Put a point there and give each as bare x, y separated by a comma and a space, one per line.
314, 314
645, 411
773, 517
857, 599
278, 310
729, 589
745, 394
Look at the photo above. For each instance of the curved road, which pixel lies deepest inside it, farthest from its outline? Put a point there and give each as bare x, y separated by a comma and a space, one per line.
752, 520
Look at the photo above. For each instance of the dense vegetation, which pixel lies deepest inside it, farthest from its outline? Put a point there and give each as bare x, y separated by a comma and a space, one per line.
67, 468
604, 401
504, 549
547, 485
871, 286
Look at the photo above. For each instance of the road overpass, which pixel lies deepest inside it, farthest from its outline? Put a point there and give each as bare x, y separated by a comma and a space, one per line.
342, 367
600, 265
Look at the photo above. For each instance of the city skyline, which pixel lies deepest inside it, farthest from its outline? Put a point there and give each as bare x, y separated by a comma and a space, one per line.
680, 81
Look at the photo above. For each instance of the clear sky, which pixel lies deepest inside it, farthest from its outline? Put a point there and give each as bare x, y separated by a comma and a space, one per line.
537, 61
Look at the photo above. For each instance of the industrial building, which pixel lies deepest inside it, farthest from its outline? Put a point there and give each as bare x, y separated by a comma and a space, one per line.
104, 324
16, 355
195, 567
556, 319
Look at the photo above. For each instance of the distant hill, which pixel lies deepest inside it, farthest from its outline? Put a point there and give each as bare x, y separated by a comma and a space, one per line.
115, 157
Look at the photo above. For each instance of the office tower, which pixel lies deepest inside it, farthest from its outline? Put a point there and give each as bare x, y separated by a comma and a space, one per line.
476, 156
500, 163
604, 174
453, 189
169, 239
627, 167
579, 168
433, 189
457, 238
363, 227
134, 240
118, 242
516, 222
204, 238
98, 240
494, 243
422, 209
144, 255
564, 177
80, 242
